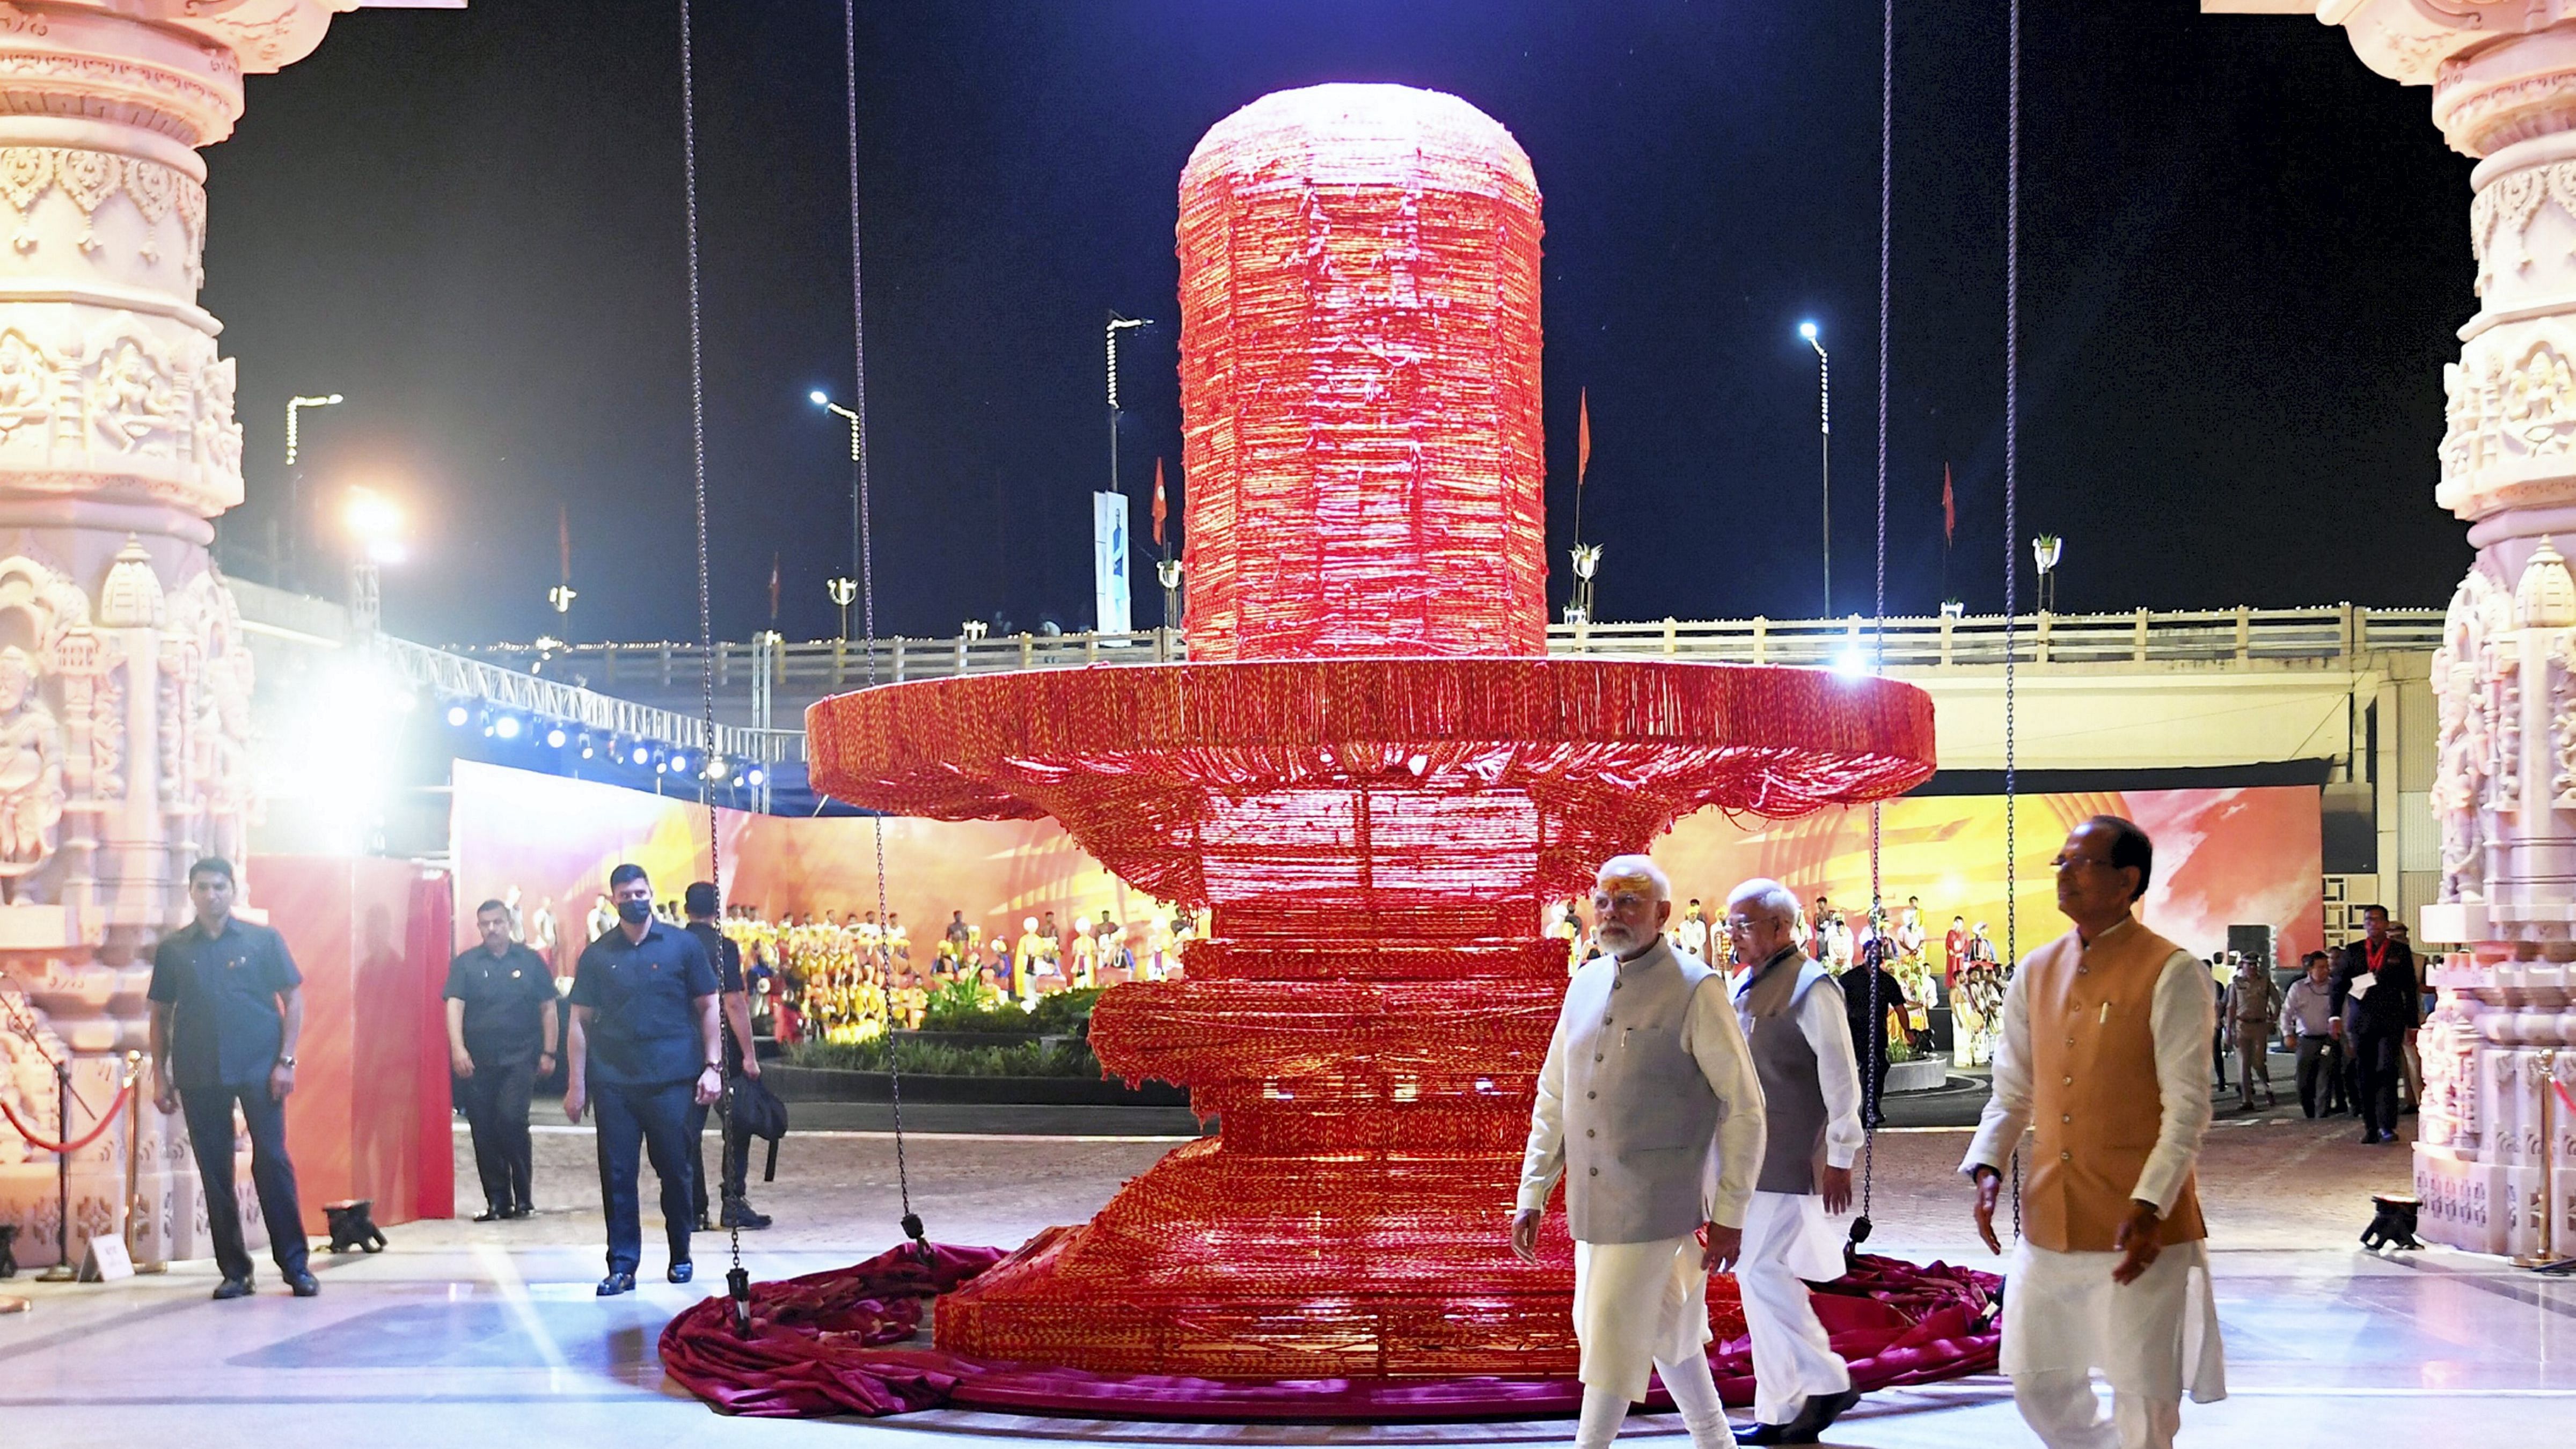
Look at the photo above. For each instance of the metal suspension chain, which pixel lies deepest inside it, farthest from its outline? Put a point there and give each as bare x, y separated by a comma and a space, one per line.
1878, 643
911, 1221
2012, 499
737, 1278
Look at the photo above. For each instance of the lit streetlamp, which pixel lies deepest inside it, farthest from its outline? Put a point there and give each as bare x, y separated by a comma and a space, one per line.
295, 479
2045, 550
1587, 563
1825, 432
1168, 572
858, 428
843, 590
375, 527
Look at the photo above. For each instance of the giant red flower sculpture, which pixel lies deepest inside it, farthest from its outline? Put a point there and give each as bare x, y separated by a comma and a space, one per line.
1367, 776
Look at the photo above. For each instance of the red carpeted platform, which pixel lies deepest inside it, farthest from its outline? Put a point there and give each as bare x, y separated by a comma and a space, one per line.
850, 1341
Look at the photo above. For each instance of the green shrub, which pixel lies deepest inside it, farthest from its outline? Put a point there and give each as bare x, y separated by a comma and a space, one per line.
930, 1059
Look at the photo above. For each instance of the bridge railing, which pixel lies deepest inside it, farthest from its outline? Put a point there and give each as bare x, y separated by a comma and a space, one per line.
829, 666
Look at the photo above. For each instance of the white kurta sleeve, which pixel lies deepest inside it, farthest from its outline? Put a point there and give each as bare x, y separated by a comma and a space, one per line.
1715, 1040
1544, 1161
2007, 1113
2180, 1016
1828, 1031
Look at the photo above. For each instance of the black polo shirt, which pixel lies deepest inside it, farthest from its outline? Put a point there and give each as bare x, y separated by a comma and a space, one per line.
225, 1027
506, 998
643, 1027
722, 953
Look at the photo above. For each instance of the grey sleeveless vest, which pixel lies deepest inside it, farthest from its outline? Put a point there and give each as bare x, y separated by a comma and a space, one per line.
1793, 1099
1640, 1117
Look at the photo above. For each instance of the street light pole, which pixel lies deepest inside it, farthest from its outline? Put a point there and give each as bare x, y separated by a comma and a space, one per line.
295, 486
1117, 324
858, 525
1825, 433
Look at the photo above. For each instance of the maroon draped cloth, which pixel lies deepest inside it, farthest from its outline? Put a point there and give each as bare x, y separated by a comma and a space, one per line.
842, 1342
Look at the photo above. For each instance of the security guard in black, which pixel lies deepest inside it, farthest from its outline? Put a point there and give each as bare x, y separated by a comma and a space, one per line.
644, 1049
226, 1003
500, 1040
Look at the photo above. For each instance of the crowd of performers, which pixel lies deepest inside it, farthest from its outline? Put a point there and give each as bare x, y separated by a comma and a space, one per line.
834, 979
2096, 1042
1965, 973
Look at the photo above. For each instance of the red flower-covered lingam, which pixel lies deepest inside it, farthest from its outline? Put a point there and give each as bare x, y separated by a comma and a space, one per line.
1368, 775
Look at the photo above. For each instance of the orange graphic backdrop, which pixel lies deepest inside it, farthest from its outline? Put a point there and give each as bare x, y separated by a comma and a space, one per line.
2223, 857
556, 839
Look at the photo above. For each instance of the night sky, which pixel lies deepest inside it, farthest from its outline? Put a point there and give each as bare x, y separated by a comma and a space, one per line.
2244, 258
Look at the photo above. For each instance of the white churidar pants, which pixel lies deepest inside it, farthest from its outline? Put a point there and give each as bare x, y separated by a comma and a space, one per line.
1642, 1306
1788, 1243
2152, 1340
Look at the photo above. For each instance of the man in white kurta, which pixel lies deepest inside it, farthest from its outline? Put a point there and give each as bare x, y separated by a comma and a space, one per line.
2101, 1049
1794, 1023
1649, 1108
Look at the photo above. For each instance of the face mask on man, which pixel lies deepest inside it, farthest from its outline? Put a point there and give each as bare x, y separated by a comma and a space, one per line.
634, 913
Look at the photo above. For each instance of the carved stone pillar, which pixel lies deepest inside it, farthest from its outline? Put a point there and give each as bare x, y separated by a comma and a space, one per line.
124, 682
2493, 1159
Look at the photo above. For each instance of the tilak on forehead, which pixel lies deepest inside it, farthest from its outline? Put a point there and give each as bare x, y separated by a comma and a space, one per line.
1637, 881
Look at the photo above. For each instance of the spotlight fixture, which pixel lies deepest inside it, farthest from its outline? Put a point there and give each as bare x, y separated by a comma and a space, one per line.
680, 763
643, 755
507, 727
716, 767
755, 777
457, 715
555, 737
585, 744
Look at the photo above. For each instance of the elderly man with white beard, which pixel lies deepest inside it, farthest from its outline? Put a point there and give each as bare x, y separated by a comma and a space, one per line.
1649, 1108
1793, 1016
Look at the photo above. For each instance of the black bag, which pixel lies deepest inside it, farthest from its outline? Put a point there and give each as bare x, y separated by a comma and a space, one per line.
757, 1112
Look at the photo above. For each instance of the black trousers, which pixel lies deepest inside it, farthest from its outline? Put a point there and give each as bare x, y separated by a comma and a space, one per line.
656, 1117
2320, 1074
209, 1111
496, 1109
734, 1161
2376, 1063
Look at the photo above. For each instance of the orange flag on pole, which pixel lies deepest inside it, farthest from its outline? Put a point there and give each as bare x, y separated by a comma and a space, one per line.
1158, 501
1582, 434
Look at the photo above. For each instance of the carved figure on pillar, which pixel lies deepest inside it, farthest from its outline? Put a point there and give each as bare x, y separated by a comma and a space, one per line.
124, 681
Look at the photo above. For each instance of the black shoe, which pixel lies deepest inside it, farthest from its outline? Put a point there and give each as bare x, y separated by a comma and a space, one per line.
616, 1283
1771, 1434
680, 1271
232, 1288
1826, 1410
739, 1214
304, 1283
2370, 1137
523, 1210
705, 1225
491, 1214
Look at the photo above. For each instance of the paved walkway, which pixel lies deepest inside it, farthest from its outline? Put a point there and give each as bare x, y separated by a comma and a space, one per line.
465, 1333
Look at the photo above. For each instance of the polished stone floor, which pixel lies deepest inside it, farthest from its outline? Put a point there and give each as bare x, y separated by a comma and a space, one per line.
463, 1334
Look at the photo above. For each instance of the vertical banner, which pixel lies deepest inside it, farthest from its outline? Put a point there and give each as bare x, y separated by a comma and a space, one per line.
1109, 562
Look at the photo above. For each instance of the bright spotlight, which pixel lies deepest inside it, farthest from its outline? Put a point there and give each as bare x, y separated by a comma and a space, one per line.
755, 777
679, 764
507, 726
585, 745
457, 716
1807, 331
643, 755
1852, 664
716, 768
819, 399
555, 738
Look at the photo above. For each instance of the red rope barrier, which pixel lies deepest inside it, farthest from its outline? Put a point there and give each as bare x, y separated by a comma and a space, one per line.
41, 1145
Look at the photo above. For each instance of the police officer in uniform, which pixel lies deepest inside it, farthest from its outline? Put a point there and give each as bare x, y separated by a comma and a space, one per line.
500, 1040
227, 1007
642, 1048
734, 1004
